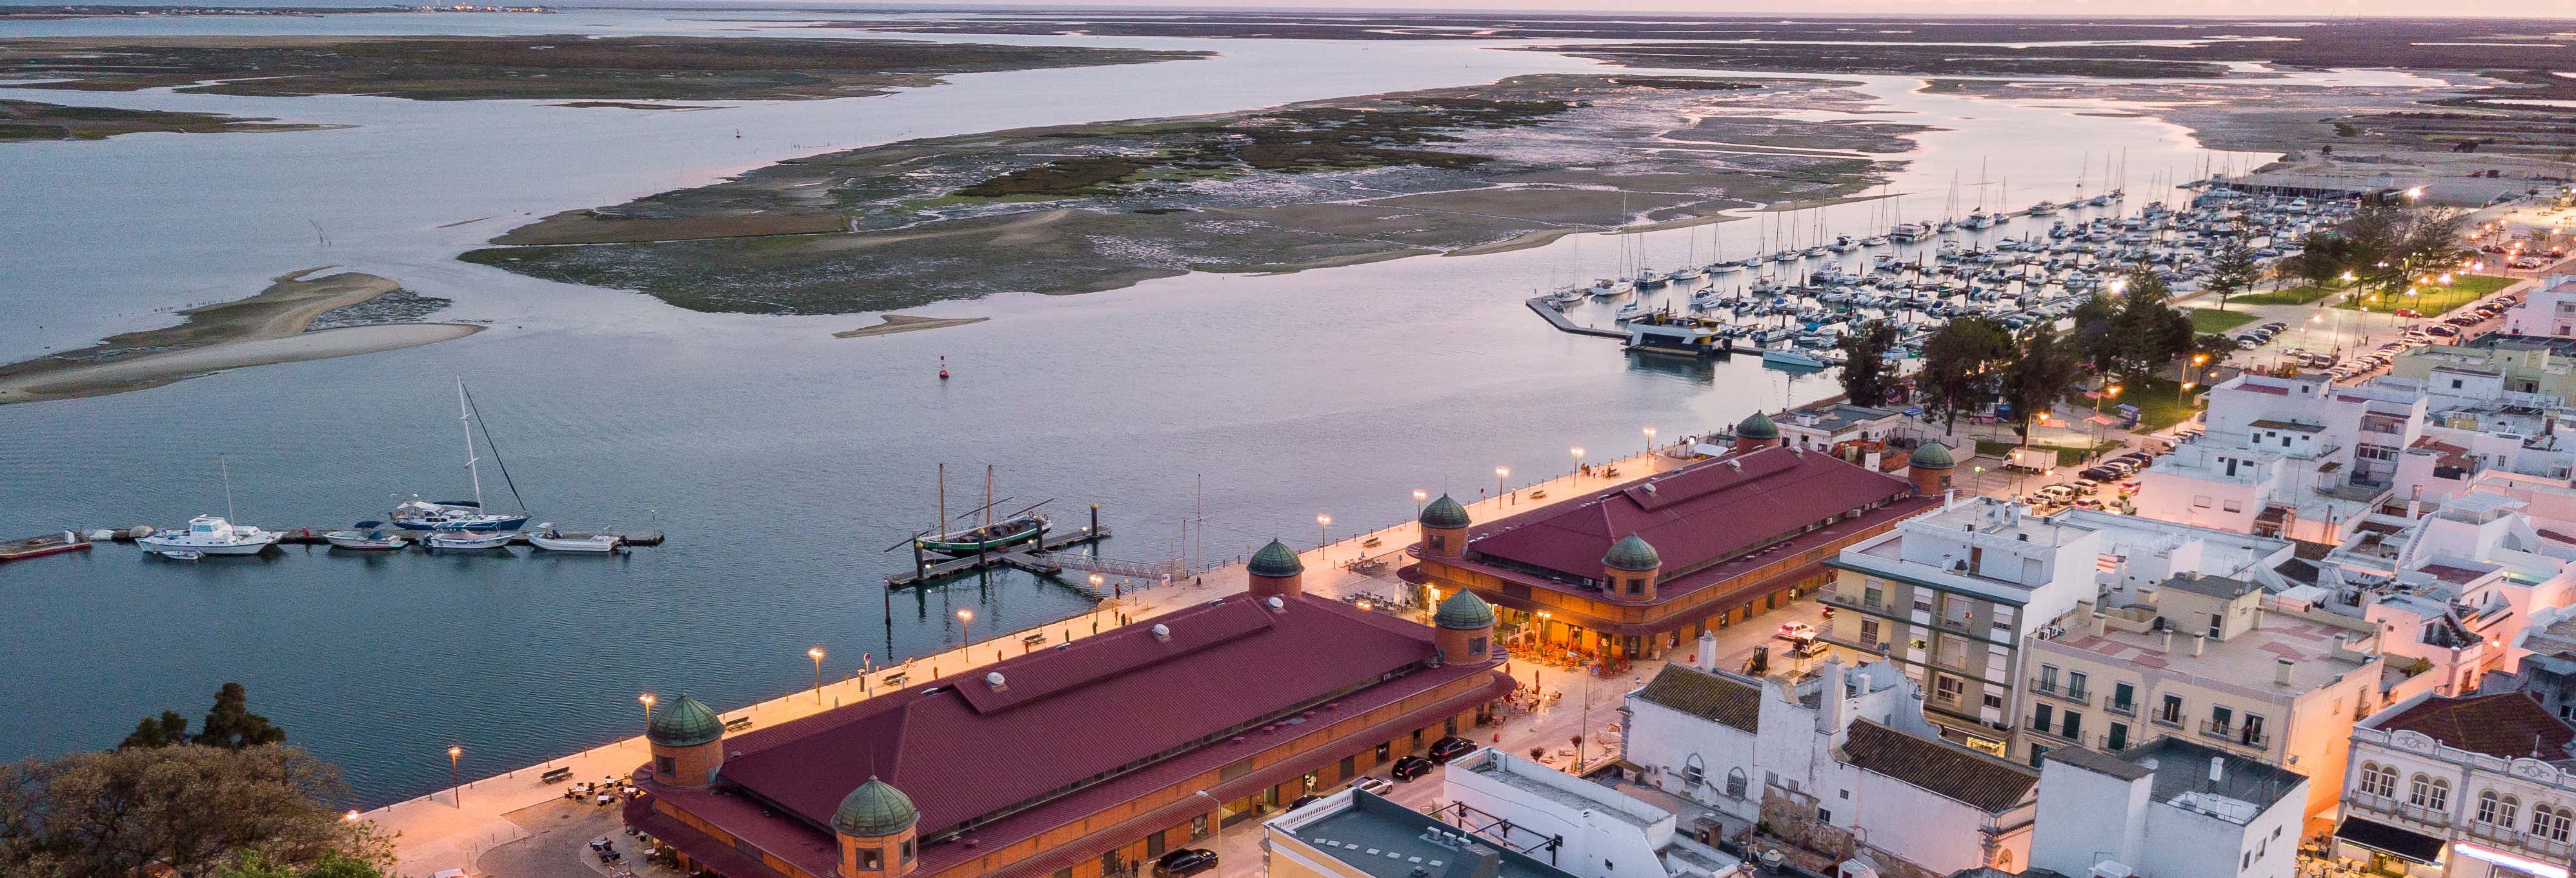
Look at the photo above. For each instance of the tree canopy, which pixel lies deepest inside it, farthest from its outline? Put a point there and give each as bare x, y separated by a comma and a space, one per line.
2043, 364
1866, 371
1960, 364
188, 809
229, 724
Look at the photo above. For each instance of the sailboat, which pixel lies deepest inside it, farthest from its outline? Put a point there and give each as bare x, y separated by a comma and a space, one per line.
1015, 528
450, 515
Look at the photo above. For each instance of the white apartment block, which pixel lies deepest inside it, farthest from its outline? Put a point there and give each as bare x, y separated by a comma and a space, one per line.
2170, 809
2548, 310
2474, 787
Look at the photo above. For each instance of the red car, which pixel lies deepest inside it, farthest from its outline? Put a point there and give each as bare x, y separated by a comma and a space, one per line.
2407, 312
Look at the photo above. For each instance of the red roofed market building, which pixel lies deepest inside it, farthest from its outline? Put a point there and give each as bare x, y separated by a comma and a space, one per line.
1645, 565
1081, 760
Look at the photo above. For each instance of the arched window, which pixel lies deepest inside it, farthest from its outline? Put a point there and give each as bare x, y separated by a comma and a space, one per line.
2378, 780
1694, 772
2429, 793
2497, 810
1735, 783
2551, 822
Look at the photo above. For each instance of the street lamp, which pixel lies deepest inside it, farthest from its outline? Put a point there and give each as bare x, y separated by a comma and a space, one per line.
1418, 497
455, 788
968, 631
817, 655
1578, 462
1650, 440
1501, 473
1323, 531
648, 700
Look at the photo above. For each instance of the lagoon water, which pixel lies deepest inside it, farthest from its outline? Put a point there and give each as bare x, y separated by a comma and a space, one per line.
779, 460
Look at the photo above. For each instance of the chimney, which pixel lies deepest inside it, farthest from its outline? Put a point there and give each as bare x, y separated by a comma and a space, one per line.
2217, 771
2101, 624
2199, 642
2168, 647
1708, 650
2281, 671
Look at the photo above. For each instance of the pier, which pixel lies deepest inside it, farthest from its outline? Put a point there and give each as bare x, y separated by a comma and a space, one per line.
1563, 323
1045, 558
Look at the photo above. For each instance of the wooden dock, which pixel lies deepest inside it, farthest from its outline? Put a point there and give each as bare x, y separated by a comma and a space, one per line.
1563, 323
307, 536
1024, 557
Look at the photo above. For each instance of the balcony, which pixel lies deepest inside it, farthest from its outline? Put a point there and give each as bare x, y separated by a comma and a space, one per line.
2513, 838
2168, 720
2400, 809
2105, 743
2121, 708
2053, 689
2243, 736
2076, 739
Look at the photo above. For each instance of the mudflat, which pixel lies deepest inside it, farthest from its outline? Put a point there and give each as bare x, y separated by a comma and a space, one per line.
1092, 207
35, 120
546, 67
270, 327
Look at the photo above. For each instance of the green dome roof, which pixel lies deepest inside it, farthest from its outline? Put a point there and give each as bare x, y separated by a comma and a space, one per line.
1757, 426
1464, 611
875, 809
687, 722
1275, 560
1932, 455
1633, 553
1444, 512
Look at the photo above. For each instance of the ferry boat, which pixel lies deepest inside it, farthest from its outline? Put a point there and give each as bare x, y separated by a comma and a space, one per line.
210, 535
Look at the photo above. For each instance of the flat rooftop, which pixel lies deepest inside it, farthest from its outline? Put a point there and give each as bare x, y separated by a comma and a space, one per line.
2248, 661
1387, 840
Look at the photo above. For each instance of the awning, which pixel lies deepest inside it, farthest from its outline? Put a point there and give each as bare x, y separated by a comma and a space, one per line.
2403, 844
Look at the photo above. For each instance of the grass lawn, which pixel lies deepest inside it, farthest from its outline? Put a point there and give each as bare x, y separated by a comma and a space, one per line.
2288, 296
2065, 456
2159, 401
2432, 301
2212, 320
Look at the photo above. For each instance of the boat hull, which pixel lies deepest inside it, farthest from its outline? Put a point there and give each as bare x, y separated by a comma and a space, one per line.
960, 545
483, 524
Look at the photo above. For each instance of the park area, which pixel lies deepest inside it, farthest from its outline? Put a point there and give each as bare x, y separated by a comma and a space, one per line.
2435, 299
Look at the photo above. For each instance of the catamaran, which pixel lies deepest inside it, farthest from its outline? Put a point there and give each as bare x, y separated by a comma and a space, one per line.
419, 514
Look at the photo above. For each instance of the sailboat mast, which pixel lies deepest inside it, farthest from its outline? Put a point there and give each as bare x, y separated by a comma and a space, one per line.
465, 418
228, 485
940, 528
988, 495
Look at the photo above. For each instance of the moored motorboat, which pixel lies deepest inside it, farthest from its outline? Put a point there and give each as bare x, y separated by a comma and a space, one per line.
468, 539
368, 536
210, 535
552, 540
1793, 358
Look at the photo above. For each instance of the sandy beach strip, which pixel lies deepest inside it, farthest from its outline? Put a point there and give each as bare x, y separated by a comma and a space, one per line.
895, 323
266, 328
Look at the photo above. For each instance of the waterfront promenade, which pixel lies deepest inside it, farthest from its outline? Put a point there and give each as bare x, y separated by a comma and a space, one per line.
453, 829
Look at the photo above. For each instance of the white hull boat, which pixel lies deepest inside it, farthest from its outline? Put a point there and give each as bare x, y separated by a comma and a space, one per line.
209, 535
367, 540
558, 541
468, 539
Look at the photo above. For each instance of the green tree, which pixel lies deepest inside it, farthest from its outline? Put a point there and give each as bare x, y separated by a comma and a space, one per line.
1865, 367
251, 864
2232, 270
186, 809
165, 730
1960, 364
231, 724
2041, 366
2148, 330
2323, 258
2095, 332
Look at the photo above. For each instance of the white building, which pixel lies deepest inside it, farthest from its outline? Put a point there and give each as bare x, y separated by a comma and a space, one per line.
2548, 310
2295, 457
1505, 817
2474, 787
2170, 809
1840, 761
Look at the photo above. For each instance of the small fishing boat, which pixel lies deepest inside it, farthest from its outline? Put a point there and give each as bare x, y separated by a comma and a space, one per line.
40, 546
468, 539
367, 536
553, 540
210, 535
1631, 311
179, 554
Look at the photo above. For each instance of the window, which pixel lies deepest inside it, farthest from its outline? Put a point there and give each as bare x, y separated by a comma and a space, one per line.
1994, 701
2551, 821
2221, 719
1948, 689
1694, 772
2200, 501
1871, 595
2041, 717
907, 851
2171, 713
1922, 602
2073, 729
2075, 684
1869, 631
871, 859
2231, 506
1824, 816
2118, 739
2378, 780
2036, 753
2429, 793
665, 765
2123, 696
1636, 585
2048, 678
2251, 734
1475, 646
2496, 810
1735, 783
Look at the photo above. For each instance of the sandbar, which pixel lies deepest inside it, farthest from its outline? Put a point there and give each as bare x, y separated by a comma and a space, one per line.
270, 327
895, 323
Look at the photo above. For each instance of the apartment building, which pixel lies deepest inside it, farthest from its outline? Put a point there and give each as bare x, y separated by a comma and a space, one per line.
2169, 809
2202, 658
2297, 457
2548, 310
2476, 787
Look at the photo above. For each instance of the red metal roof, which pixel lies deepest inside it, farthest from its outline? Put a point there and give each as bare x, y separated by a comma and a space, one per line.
1707, 510
962, 750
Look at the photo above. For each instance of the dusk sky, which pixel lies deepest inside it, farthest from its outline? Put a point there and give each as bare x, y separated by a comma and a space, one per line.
2532, 9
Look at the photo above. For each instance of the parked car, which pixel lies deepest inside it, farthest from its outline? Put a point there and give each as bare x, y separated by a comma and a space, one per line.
1796, 631
1449, 749
2098, 474
2055, 493
1186, 861
2408, 312
1304, 800
1377, 786
1410, 767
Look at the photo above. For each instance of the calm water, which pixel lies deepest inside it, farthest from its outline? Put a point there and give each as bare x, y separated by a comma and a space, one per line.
779, 460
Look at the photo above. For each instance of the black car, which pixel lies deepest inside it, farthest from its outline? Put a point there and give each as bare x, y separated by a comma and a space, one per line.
1447, 750
1187, 861
1304, 800
1410, 767
2100, 475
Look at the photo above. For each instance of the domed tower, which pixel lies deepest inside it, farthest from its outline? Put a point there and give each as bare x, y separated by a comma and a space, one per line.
1930, 468
1276, 572
1629, 570
875, 827
1466, 624
1756, 431
688, 743
1444, 528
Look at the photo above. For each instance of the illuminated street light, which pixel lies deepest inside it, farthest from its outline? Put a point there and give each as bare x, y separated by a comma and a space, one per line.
1501, 473
817, 655
1323, 531
1578, 462
1650, 440
968, 632
455, 787
1418, 496
648, 699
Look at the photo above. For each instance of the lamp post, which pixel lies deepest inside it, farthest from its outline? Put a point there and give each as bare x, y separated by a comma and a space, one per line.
817, 655
1323, 532
1578, 463
455, 787
648, 700
1650, 440
1419, 496
967, 617
1501, 473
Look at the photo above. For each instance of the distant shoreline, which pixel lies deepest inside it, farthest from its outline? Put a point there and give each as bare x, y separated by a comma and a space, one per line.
267, 328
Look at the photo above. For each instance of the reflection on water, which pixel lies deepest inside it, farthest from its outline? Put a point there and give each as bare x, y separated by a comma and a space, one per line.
779, 460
